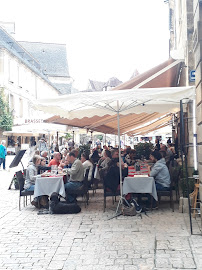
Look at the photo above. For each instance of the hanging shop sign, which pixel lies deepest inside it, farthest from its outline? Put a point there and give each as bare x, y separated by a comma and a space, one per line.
192, 76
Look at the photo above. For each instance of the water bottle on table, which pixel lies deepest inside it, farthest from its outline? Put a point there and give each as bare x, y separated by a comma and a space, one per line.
54, 169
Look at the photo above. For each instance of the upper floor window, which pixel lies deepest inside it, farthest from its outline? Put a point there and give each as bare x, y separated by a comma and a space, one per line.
21, 108
20, 77
12, 71
11, 102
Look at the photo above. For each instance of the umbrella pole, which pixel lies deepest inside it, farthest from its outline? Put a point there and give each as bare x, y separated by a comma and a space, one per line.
120, 203
120, 169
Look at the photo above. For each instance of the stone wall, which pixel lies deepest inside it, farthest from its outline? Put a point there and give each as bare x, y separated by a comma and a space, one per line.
197, 43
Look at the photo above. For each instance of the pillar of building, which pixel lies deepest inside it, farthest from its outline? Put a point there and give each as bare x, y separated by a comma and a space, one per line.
197, 8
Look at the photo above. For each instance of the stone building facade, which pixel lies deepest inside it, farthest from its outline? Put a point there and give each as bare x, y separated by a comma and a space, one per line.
181, 27
197, 47
186, 42
23, 80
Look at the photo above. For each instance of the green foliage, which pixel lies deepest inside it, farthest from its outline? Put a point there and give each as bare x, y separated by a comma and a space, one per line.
6, 117
183, 183
143, 149
68, 136
100, 137
84, 149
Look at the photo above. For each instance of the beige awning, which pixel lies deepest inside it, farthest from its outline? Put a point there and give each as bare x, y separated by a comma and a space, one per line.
155, 125
127, 122
163, 75
20, 133
108, 124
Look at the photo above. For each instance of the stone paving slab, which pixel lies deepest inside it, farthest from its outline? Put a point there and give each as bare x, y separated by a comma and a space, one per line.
88, 240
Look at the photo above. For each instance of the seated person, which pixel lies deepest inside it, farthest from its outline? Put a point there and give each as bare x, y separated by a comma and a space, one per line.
171, 153
99, 149
66, 163
44, 154
126, 153
30, 178
95, 156
76, 152
62, 162
160, 172
112, 178
76, 173
42, 166
87, 165
130, 158
31, 173
56, 159
104, 162
64, 153
104, 148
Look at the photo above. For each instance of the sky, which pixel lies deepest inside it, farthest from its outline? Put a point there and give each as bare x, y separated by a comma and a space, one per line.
104, 39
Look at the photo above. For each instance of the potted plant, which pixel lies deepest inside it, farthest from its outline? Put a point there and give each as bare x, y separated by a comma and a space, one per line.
143, 150
183, 206
84, 149
183, 184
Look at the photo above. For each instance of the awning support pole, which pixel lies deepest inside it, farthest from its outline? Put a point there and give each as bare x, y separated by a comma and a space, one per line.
119, 144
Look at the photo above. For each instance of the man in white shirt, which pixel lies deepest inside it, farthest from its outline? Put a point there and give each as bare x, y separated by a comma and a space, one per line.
87, 165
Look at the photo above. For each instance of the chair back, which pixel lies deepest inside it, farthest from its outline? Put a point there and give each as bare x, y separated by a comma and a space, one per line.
20, 179
93, 172
174, 174
85, 181
25, 171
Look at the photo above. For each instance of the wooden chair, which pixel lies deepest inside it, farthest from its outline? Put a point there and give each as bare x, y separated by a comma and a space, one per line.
23, 193
194, 196
83, 190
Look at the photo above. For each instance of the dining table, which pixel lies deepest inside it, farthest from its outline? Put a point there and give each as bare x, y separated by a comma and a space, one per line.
140, 184
48, 185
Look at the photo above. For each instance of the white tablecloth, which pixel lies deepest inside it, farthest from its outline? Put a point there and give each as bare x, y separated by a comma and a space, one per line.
140, 185
48, 185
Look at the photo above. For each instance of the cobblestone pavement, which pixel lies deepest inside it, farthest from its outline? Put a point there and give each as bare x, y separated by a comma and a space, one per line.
89, 240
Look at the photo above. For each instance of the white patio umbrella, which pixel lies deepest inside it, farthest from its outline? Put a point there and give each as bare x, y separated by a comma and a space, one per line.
89, 104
